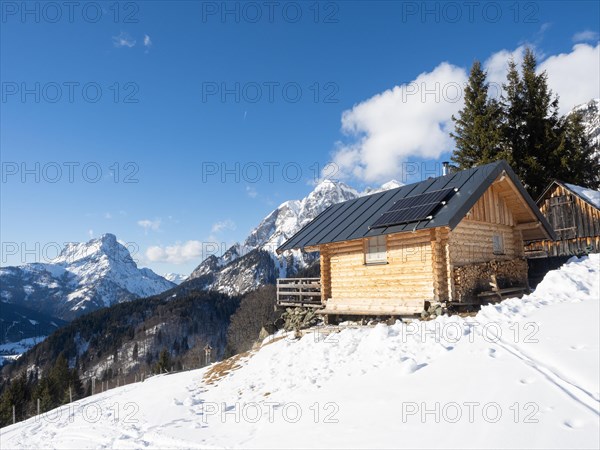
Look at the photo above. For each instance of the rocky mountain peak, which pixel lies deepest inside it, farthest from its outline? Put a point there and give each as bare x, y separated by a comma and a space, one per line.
106, 246
84, 277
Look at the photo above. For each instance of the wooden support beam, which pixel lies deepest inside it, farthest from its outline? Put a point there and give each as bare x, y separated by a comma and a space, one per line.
528, 225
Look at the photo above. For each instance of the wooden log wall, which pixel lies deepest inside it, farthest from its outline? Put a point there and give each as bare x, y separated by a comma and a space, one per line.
473, 242
325, 274
441, 264
400, 285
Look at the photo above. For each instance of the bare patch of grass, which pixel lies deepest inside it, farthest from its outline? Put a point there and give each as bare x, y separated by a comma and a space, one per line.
220, 370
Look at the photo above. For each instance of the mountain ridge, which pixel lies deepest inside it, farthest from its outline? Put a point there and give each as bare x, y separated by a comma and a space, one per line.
247, 265
82, 278
590, 113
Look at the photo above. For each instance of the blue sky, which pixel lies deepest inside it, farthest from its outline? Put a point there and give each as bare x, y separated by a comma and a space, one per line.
137, 104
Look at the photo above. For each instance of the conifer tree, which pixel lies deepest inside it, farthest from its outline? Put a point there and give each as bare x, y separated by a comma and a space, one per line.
43, 392
478, 125
59, 379
540, 126
164, 361
513, 142
574, 159
17, 395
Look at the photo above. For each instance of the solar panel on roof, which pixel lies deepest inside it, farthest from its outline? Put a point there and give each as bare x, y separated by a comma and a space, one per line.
421, 199
413, 209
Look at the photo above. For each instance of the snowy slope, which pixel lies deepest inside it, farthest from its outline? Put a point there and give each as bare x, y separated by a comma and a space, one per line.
520, 374
176, 278
84, 277
590, 112
11, 351
245, 266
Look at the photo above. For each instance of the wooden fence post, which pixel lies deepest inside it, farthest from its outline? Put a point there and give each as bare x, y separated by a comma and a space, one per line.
207, 351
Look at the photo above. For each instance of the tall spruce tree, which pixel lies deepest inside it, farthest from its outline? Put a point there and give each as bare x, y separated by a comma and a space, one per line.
477, 130
540, 126
514, 147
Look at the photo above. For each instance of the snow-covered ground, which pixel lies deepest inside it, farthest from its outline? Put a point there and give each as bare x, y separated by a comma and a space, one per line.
12, 350
524, 373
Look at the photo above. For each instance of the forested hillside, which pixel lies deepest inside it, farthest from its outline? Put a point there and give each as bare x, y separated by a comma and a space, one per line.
117, 345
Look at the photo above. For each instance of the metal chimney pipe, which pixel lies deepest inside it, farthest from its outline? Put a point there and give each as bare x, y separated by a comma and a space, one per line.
445, 165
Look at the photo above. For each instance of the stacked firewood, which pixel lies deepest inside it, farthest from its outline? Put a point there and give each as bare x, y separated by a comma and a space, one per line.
470, 280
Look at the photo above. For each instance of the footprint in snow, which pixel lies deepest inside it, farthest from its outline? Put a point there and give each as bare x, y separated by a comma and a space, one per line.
573, 423
528, 380
577, 347
189, 401
491, 352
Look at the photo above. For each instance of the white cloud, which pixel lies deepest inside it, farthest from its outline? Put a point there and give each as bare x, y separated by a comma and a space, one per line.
91, 233
147, 41
179, 253
148, 224
413, 120
108, 215
586, 36
123, 40
583, 60
227, 224
251, 192
496, 67
574, 76
409, 121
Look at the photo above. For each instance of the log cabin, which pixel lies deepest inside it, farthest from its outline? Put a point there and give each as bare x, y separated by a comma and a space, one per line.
396, 252
574, 214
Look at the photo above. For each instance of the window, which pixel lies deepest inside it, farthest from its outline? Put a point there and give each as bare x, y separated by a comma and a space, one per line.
376, 251
498, 244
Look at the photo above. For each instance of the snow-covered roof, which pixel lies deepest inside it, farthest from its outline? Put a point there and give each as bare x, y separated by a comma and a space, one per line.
590, 195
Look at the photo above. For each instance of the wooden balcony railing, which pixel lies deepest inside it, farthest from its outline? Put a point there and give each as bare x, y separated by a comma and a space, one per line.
305, 292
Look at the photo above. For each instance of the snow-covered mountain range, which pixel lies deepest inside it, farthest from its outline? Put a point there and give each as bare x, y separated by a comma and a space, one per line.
84, 277
243, 267
176, 278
